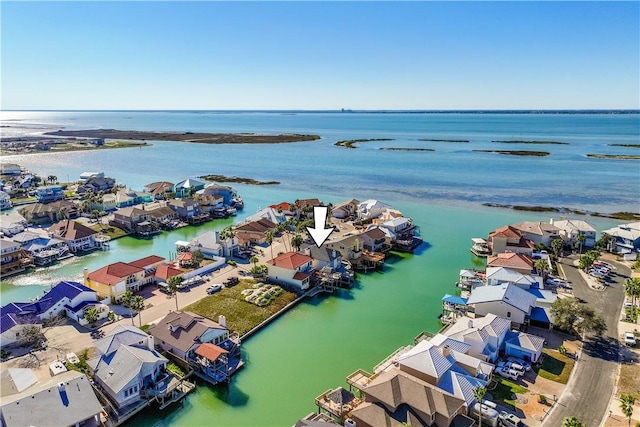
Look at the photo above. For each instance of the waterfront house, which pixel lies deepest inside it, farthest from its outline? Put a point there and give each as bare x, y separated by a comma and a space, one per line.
500, 275
85, 176
322, 257
538, 231
227, 193
159, 189
509, 239
370, 209
13, 258
626, 238
128, 218
96, 184
284, 208
78, 237
254, 232
127, 367
49, 193
162, 215
10, 169
350, 247
127, 197
66, 400
345, 210
42, 248
211, 245
108, 203
188, 210
395, 397
375, 240
166, 271
70, 299
292, 269
212, 204
188, 187
506, 300
485, 335
517, 262
14, 324
572, 229
113, 280
41, 213
5, 201
12, 223
207, 346
269, 213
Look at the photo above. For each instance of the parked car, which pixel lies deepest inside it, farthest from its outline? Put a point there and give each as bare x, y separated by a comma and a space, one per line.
512, 366
517, 360
509, 420
231, 281
505, 372
629, 339
214, 288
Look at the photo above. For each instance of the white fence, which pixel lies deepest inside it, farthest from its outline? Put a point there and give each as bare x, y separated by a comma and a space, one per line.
217, 263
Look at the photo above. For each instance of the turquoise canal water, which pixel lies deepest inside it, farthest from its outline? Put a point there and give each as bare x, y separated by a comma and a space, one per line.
317, 344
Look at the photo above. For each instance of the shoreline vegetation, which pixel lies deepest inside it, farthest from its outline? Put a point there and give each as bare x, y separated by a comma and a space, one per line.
72, 145
350, 143
624, 216
237, 179
615, 156
443, 140
516, 141
516, 152
405, 149
195, 137
625, 145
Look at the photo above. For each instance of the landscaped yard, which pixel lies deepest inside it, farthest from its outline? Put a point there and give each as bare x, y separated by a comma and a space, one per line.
241, 315
505, 391
555, 366
109, 230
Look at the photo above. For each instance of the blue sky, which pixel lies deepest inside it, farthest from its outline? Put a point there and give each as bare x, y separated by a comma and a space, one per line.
320, 55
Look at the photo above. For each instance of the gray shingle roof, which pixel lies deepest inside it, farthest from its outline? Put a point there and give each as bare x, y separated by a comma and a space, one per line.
121, 334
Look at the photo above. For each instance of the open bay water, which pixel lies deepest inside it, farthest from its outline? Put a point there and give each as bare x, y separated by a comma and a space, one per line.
316, 345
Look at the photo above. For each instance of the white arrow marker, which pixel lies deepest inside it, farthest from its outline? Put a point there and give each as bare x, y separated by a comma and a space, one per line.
319, 234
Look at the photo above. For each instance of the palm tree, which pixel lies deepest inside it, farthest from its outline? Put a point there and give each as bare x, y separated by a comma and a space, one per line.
174, 282
52, 179
626, 404
297, 241
632, 288
254, 260
541, 266
138, 305
581, 239
127, 301
572, 422
556, 247
269, 235
479, 393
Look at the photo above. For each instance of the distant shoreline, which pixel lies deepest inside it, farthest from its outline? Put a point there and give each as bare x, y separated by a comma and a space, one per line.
624, 216
194, 137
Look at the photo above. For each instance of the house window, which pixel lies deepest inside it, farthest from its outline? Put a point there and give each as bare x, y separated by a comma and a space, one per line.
508, 314
126, 393
135, 389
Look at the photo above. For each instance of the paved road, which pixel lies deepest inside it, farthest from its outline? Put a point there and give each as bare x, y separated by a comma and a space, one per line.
589, 390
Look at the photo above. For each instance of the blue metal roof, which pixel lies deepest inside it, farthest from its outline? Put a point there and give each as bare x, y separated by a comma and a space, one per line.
452, 299
540, 314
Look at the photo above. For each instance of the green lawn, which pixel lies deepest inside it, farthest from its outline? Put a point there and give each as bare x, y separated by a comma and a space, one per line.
505, 391
241, 315
109, 230
555, 366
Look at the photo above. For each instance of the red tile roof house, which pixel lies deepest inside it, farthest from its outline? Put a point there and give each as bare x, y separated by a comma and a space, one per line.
518, 262
292, 269
254, 232
113, 280
509, 239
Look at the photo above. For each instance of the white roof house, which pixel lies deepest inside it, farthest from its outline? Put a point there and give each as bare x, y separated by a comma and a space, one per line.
506, 300
627, 237
498, 275
16, 380
372, 208
570, 229
485, 335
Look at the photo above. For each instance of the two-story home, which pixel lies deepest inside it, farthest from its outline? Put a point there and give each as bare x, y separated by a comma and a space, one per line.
127, 197
350, 247
42, 248
113, 280
13, 258
12, 223
375, 240
188, 210
41, 213
485, 335
207, 346
66, 400
49, 193
5, 201
322, 256
159, 189
518, 262
571, 231
626, 238
370, 209
292, 269
14, 324
78, 237
538, 231
227, 193
127, 367
506, 300
96, 184
345, 210
130, 217
211, 245
509, 239
163, 216
188, 187
254, 232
